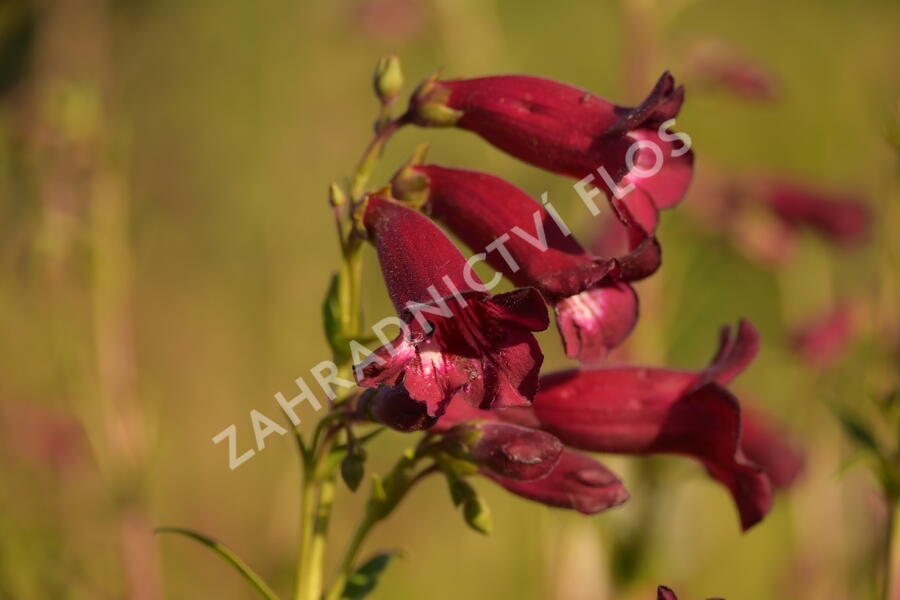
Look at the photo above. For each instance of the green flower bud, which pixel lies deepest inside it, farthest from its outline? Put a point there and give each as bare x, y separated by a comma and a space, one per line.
388, 78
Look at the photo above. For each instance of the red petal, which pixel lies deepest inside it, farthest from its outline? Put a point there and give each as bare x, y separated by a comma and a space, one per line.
595, 321
764, 443
577, 482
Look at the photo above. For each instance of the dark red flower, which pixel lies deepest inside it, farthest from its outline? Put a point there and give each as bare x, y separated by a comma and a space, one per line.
459, 341
568, 130
635, 410
595, 307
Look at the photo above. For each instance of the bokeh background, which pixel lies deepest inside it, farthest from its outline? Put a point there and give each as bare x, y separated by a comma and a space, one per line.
165, 244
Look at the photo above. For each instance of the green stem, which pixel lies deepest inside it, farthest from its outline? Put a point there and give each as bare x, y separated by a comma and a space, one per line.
396, 485
307, 518
888, 551
346, 568
320, 530
370, 157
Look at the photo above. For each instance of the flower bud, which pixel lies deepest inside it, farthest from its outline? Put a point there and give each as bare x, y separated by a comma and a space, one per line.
393, 406
336, 196
388, 79
429, 105
505, 449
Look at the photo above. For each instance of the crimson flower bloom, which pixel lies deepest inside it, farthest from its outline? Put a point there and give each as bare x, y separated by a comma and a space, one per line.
636, 410
565, 129
459, 341
596, 308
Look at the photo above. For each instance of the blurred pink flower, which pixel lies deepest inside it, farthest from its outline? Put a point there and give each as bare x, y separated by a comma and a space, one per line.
762, 215
715, 64
392, 21
822, 340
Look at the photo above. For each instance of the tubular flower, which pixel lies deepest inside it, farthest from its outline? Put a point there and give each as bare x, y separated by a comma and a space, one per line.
457, 340
567, 130
635, 410
596, 308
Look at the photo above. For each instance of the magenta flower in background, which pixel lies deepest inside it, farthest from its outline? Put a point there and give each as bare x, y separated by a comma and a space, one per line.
596, 308
841, 218
460, 341
715, 64
763, 215
822, 340
565, 129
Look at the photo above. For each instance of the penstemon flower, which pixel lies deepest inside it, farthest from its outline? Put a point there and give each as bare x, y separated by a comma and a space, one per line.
568, 130
459, 341
637, 410
595, 307
465, 367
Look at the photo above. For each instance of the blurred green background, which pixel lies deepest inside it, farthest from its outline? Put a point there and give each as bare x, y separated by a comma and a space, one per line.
165, 243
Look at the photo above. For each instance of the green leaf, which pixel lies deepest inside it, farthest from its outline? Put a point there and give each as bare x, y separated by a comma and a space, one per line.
365, 578
858, 430
333, 319
477, 514
460, 489
252, 578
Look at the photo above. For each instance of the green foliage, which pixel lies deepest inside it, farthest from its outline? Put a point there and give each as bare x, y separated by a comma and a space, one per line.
246, 572
361, 583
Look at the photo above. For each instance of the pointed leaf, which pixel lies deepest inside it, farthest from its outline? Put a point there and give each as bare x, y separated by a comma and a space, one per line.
333, 319
364, 580
477, 514
246, 572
